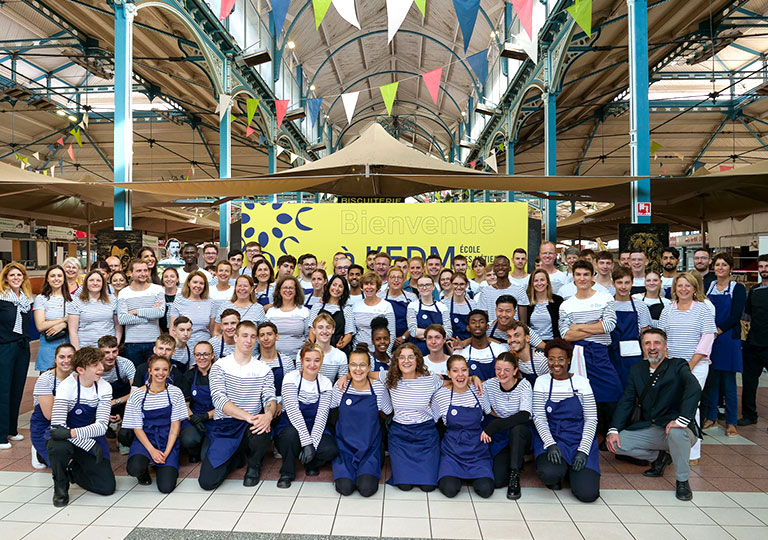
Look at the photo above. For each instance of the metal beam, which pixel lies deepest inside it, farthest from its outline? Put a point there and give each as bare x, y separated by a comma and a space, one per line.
125, 11
709, 143
225, 159
639, 123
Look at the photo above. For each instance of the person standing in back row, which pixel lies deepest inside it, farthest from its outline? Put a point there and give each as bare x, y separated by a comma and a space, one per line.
502, 287
139, 309
756, 346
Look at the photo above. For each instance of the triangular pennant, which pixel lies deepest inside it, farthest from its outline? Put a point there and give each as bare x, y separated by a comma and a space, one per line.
466, 12
253, 105
226, 9
249, 131
24, 165
45, 172
349, 100
472, 164
491, 161
81, 125
346, 9
262, 140
53, 171
397, 10
78, 136
655, 147
279, 11
479, 64
232, 117
84, 120
223, 106
320, 8
388, 93
23, 159
501, 147
281, 105
422, 5
313, 104
530, 46
524, 10
724, 168
36, 155
280, 150
60, 141
71, 154
294, 157
432, 80
581, 12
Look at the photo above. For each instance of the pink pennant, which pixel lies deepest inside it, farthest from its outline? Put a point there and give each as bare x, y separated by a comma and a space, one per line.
226, 9
281, 105
524, 9
725, 168
472, 164
71, 154
60, 142
432, 80
248, 131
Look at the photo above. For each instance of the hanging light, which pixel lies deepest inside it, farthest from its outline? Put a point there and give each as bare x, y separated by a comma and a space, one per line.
291, 45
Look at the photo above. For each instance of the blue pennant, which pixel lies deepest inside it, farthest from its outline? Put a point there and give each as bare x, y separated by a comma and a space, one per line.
466, 12
279, 11
479, 64
314, 109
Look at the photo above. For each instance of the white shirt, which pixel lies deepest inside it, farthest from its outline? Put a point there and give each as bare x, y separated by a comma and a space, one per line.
569, 289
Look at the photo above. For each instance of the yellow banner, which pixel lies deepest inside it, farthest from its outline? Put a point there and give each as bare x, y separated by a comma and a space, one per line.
402, 230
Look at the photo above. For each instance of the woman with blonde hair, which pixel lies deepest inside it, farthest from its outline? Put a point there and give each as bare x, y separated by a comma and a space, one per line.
545, 315
243, 301
92, 313
195, 304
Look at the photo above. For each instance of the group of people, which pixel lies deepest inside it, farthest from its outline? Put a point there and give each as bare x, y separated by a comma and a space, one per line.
458, 379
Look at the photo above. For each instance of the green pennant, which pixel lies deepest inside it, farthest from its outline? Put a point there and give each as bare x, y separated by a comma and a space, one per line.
501, 146
25, 159
78, 136
422, 5
253, 105
232, 117
320, 8
388, 93
655, 147
581, 12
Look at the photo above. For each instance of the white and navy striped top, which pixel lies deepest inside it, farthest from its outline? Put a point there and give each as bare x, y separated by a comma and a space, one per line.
44, 385
99, 396
539, 362
506, 403
126, 367
382, 396
334, 364
309, 394
200, 312
364, 314
289, 364
250, 386
643, 314
405, 298
221, 349
332, 309
134, 419
487, 355
442, 400
489, 295
184, 356
598, 307
97, 319
651, 302
414, 323
411, 398
311, 301
254, 312
265, 297
685, 328
144, 327
291, 327
53, 306
219, 298
541, 321
562, 390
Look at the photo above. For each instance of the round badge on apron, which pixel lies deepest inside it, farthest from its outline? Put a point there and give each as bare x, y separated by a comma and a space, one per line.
455, 319
549, 409
194, 392
474, 366
454, 412
424, 316
349, 402
78, 411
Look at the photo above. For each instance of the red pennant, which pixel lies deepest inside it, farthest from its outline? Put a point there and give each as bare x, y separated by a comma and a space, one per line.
248, 131
60, 142
432, 80
472, 164
524, 10
71, 154
226, 9
725, 168
281, 105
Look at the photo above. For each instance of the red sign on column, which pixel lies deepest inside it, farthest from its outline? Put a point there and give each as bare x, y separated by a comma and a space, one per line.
644, 209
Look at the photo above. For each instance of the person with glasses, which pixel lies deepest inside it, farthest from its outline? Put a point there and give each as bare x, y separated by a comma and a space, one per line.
459, 305
341, 265
290, 316
307, 264
252, 253
197, 391
424, 312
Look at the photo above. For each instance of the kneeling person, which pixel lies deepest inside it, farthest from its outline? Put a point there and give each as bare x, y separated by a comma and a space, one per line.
197, 391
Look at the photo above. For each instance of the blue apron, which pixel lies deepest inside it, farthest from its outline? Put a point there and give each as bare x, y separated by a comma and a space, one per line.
263, 297
462, 453
626, 330
493, 335
424, 319
531, 377
401, 318
379, 366
181, 367
484, 371
199, 400
414, 453
120, 388
308, 412
156, 425
726, 350
566, 423
83, 415
603, 378
278, 373
358, 436
224, 436
459, 323
40, 428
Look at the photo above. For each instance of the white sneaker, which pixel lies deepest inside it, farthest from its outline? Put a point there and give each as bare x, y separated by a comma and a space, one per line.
124, 450
17, 437
5, 446
35, 462
276, 454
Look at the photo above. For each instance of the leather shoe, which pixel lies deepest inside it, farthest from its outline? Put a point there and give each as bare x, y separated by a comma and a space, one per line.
144, 479
746, 421
658, 465
555, 487
683, 491
251, 477
513, 489
312, 472
60, 500
284, 482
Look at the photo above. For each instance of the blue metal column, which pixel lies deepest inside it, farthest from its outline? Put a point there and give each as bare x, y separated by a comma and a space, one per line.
639, 130
510, 166
272, 160
225, 158
125, 10
550, 163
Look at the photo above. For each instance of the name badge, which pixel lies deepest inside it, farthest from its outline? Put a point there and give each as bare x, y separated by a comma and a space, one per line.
194, 392
348, 402
473, 366
78, 411
456, 320
424, 316
454, 412
549, 409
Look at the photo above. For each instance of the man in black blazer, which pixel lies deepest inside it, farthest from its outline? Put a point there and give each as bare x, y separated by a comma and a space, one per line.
667, 395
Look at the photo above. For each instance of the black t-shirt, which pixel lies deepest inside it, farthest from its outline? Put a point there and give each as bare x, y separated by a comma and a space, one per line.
757, 309
186, 381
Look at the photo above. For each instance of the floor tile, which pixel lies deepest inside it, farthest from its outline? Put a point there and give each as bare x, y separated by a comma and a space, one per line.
625, 497
167, 519
9, 478
603, 531
466, 494
393, 493
637, 514
685, 515
543, 512
404, 527
265, 504
318, 489
59, 531
36, 480
664, 498
206, 520
653, 531
100, 532
8, 507
127, 483
591, 513
466, 529
703, 532
306, 524
120, 517
357, 526
749, 500
759, 513
261, 522
234, 487
36, 513
142, 499
360, 507
566, 497
269, 487
77, 515
536, 495
92, 499
748, 533
315, 506
451, 510
713, 499
498, 496
549, 530
406, 509
732, 516
15, 530
20, 493
504, 530
506, 511
227, 502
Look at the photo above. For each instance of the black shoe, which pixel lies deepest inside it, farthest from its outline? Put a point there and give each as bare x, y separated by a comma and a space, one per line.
312, 472
746, 421
251, 477
144, 479
555, 487
602, 447
683, 491
513, 490
111, 433
60, 493
658, 465
194, 459
284, 482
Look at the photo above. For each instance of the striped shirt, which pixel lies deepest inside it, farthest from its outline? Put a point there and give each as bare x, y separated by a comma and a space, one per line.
144, 326
442, 401
459, 309
489, 295
569, 289
183, 356
44, 385
289, 364
292, 328
318, 391
254, 312
141, 400
505, 403
200, 312
685, 328
221, 349
416, 320
382, 396
99, 396
332, 309
487, 355
266, 297
597, 308
126, 367
364, 314
520, 282
562, 390
97, 319
541, 321
52, 306
312, 301
250, 386
219, 298
652, 302
643, 314
183, 274
539, 362
334, 364
411, 398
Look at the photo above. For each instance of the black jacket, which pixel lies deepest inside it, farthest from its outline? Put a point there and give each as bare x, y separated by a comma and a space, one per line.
554, 313
675, 395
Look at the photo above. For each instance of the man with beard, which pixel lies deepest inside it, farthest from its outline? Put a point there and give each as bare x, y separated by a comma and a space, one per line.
702, 258
756, 346
354, 274
532, 362
190, 255
670, 257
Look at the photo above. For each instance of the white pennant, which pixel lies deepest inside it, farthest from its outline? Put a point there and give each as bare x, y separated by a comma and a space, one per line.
23, 165
294, 157
346, 8
491, 161
52, 170
530, 47
84, 121
223, 107
36, 155
350, 101
397, 10
280, 150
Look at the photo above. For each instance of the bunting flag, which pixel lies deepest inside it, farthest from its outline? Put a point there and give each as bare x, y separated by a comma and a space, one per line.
23, 159
36, 155
53, 171
466, 12
388, 93
294, 157
320, 8
60, 141
249, 131
530, 46
346, 9
281, 105
78, 136
253, 105
313, 104
524, 10
223, 105
724, 168
350, 101
697, 165
472, 164
432, 80
491, 161
422, 5
232, 117
397, 10
280, 150
502, 148
581, 12
23, 165
279, 11
655, 147
71, 154
84, 120
226, 9
479, 64
262, 140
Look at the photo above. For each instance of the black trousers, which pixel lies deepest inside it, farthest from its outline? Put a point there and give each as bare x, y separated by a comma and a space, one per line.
585, 484
191, 440
252, 450
605, 410
366, 484
89, 475
164, 476
14, 361
755, 360
451, 485
289, 446
513, 455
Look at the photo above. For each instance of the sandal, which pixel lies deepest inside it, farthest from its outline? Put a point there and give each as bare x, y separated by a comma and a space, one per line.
708, 424
730, 431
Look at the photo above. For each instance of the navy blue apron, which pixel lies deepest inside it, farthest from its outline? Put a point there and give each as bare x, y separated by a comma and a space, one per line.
602, 375
459, 323
655, 309
401, 318
424, 319
278, 373
566, 424
182, 367
379, 366
263, 298
626, 330
493, 335
308, 412
414, 453
462, 453
358, 436
484, 371
120, 388
225, 436
199, 400
83, 415
156, 425
531, 377
726, 350
40, 428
